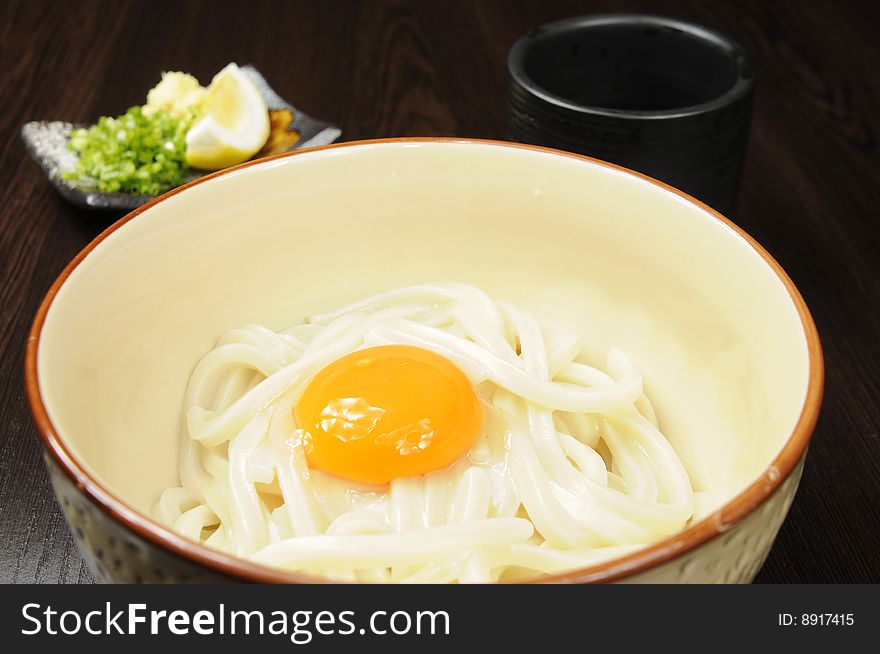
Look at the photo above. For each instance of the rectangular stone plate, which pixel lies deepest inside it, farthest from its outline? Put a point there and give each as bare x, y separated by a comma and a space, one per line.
46, 141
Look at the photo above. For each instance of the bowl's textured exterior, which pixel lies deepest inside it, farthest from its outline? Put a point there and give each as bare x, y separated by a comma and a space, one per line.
115, 554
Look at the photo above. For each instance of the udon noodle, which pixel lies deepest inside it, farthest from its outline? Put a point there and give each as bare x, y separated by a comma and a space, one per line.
570, 467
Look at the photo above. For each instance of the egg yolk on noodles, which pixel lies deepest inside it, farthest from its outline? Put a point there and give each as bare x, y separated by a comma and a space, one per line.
386, 412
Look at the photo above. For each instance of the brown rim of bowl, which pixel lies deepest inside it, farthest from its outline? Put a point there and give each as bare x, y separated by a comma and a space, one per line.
650, 556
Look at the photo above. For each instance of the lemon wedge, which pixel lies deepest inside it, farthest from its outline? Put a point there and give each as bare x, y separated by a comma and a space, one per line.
233, 123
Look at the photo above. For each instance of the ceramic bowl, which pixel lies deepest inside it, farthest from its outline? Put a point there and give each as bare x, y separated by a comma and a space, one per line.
728, 349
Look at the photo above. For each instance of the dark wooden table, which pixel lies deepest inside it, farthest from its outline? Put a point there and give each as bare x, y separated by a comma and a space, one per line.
810, 194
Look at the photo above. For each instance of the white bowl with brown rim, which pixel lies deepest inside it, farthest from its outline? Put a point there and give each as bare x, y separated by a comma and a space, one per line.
730, 354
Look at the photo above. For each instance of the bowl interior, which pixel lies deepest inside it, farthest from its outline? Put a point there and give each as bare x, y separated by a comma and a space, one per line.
627, 262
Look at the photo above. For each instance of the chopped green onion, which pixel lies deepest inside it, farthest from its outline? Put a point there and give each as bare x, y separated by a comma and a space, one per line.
132, 153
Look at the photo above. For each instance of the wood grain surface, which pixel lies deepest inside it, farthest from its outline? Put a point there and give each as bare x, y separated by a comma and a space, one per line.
810, 194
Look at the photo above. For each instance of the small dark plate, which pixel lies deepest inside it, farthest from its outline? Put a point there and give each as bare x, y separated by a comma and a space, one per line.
46, 141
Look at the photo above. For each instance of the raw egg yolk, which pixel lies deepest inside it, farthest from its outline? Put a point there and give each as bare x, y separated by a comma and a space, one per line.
387, 412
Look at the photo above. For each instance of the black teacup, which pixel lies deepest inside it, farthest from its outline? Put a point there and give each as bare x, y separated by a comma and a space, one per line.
661, 96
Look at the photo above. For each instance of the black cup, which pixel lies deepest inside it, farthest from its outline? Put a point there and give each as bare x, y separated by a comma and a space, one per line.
661, 96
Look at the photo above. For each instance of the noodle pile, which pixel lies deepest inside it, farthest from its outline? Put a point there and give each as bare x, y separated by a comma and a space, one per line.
570, 467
